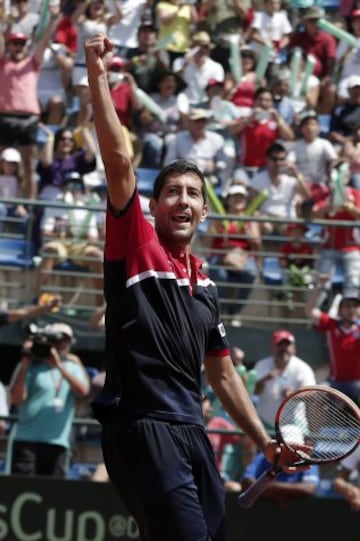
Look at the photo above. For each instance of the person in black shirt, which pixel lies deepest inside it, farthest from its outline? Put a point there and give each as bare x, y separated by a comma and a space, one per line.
162, 323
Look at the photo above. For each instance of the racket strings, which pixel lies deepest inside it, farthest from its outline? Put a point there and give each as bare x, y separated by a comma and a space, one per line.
319, 426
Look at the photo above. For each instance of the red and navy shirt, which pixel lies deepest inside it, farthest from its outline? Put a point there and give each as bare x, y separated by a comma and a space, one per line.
159, 327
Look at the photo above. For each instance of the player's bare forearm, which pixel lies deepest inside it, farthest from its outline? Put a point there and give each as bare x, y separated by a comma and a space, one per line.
232, 393
114, 152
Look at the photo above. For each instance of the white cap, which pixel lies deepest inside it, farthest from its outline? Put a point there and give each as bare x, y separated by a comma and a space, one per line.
11, 155
237, 189
354, 80
61, 328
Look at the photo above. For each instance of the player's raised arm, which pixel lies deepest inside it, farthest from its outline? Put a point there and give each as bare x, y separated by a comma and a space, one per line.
117, 162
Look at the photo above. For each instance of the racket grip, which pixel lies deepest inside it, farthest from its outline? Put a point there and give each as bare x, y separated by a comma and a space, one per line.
248, 497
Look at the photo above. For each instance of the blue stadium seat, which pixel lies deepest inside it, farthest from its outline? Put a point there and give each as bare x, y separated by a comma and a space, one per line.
272, 272
324, 122
330, 5
145, 179
17, 253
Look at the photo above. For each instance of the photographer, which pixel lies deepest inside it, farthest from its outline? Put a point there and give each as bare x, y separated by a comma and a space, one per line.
44, 387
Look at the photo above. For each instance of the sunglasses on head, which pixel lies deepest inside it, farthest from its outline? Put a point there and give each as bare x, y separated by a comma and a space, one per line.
18, 43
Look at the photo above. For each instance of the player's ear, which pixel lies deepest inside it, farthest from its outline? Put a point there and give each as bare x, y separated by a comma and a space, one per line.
204, 213
152, 207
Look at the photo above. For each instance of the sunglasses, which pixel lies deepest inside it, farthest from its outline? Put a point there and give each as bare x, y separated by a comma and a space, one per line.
18, 43
278, 158
65, 138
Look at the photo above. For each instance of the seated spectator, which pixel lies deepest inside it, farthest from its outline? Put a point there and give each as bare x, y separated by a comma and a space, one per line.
346, 117
197, 68
278, 375
259, 131
296, 257
284, 186
283, 103
350, 151
349, 59
60, 156
156, 134
347, 480
72, 234
285, 488
236, 247
11, 186
322, 45
343, 338
313, 155
147, 61
199, 145
340, 243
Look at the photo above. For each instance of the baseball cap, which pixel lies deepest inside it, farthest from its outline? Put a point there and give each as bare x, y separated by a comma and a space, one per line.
236, 189
18, 36
11, 155
282, 334
198, 114
354, 80
314, 12
147, 24
61, 328
116, 63
350, 296
202, 38
214, 82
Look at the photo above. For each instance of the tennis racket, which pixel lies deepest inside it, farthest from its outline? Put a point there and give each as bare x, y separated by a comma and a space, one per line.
316, 425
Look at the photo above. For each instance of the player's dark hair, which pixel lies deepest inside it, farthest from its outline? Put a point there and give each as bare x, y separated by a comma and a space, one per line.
179, 167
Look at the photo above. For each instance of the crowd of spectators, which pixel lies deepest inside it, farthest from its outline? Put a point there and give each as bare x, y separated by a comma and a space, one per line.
263, 97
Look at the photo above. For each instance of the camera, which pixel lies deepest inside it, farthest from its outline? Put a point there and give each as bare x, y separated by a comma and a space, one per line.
43, 339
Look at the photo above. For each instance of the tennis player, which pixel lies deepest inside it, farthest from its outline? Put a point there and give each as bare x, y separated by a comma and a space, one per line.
162, 322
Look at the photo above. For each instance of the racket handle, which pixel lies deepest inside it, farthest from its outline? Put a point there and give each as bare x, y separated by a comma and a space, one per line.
248, 497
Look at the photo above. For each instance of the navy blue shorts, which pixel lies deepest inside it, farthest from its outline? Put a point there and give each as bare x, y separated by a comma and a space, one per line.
166, 476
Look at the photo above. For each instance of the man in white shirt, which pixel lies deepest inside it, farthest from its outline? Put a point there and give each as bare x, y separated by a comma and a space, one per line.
278, 375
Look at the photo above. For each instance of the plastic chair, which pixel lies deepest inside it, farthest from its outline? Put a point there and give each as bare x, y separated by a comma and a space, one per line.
145, 179
272, 272
17, 253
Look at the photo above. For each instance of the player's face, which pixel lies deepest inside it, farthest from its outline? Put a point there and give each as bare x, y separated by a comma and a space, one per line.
179, 208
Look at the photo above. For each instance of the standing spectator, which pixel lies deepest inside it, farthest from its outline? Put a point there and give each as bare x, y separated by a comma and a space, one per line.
347, 480
90, 18
124, 33
225, 21
322, 46
44, 387
19, 104
259, 131
278, 375
23, 19
283, 103
175, 19
341, 244
147, 61
314, 156
197, 69
343, 338
236, 247
199, 145
349, 63
284, 186
243, 93
271, 26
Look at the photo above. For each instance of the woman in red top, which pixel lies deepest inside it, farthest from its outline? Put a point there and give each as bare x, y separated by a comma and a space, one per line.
243, 93
235, 254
